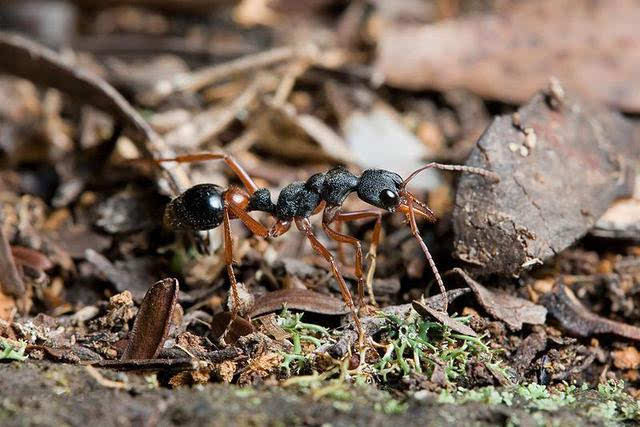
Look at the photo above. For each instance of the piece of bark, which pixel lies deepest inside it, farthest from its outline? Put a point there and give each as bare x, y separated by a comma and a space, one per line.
561, 163
592, 46
298, 299
29, 60
511, 310
152, 323
577, 319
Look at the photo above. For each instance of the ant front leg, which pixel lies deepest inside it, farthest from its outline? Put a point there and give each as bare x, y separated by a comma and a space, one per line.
304, 225
330, 216
233, 164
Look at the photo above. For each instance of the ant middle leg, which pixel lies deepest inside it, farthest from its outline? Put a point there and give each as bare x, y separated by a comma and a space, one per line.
304, 225
342, 217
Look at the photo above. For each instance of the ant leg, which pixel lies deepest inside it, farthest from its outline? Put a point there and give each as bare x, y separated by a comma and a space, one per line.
411, 217
343, 238
341, 218
233, 164
304, 225
228, 260
342, 256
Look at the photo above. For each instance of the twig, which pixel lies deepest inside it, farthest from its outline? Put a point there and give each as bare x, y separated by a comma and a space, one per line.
288, 81
105, 382
211, 122
199, 79
29, 60
330, 142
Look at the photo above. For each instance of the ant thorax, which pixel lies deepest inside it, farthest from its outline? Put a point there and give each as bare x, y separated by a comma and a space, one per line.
300, 199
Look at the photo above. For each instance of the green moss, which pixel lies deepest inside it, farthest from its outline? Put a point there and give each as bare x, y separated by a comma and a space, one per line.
608, 403
12, 350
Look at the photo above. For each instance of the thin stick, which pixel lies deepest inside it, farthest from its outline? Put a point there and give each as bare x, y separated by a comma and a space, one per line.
288, 81
211, 122
208, 76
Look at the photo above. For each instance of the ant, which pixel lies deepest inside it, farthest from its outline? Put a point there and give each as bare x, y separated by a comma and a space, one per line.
207, 206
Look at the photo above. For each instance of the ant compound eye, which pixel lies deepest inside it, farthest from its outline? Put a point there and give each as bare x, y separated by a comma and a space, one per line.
389, 198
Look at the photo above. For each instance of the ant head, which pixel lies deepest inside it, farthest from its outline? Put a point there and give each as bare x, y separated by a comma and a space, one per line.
381, 188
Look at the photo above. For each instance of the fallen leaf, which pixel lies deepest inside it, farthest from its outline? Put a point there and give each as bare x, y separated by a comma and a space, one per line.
508, 56
31, 258
526, 352
576, 318
512, 310
298, 299
152, 322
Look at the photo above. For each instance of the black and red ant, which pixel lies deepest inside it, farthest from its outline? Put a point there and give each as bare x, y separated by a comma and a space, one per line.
207, 206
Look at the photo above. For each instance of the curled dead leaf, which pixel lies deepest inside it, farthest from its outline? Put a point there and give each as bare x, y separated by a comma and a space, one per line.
298, 299
512, 310
152, 322
576, 318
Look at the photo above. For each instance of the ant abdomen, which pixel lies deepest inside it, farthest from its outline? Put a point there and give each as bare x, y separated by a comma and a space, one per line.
199, 208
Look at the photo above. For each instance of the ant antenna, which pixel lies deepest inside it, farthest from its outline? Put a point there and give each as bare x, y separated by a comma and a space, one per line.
458, 168
413, 206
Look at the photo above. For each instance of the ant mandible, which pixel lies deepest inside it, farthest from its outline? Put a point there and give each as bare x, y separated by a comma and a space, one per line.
207, 206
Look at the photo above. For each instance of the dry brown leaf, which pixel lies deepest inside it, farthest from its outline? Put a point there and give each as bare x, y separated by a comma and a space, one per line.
239, 328
575, 317
298, 299
512, 310
153, 320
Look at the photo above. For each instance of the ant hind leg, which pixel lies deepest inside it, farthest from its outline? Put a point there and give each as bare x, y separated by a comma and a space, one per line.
304, 225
